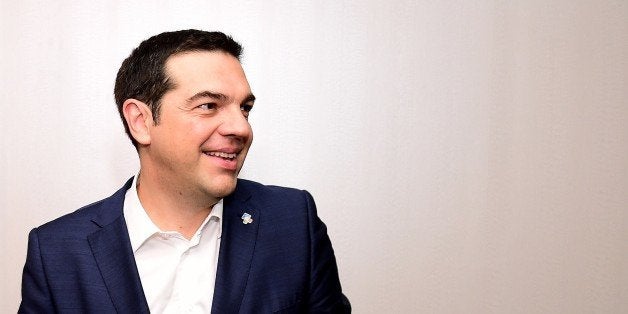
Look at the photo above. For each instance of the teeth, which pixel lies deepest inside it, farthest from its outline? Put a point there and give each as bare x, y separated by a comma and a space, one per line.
222, 155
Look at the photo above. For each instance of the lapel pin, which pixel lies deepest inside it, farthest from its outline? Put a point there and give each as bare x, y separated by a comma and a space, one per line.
246, 218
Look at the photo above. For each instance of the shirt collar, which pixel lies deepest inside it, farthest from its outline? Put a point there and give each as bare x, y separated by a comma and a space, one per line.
141, 227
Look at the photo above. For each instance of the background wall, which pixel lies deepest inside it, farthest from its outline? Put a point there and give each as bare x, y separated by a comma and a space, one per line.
467, 156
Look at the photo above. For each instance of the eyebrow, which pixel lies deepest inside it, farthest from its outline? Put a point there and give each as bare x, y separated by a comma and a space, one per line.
249, 98
218, 96
207, 94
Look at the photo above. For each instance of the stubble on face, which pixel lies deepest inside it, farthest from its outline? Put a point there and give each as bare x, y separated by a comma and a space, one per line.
200, 144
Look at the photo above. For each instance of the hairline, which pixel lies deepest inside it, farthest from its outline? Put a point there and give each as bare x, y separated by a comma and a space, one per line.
169, 80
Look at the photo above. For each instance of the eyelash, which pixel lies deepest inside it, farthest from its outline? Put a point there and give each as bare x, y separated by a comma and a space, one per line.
208, 105
244, 108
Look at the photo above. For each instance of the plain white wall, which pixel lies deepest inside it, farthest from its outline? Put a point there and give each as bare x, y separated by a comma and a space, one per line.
467, 156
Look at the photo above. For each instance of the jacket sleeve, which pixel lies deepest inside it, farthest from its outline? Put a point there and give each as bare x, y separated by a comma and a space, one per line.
325, 292
36, 296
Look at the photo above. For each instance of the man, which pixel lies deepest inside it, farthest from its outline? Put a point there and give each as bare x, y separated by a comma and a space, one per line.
185, 235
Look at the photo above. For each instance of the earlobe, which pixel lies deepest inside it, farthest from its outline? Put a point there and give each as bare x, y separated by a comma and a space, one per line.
139, 119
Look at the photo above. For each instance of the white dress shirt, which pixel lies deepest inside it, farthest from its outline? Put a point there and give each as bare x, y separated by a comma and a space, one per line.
178, 275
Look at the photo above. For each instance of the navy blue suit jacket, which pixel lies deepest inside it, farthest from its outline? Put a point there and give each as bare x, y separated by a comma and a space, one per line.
282, 262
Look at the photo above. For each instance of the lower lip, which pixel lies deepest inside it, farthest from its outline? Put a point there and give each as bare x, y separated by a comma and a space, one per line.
228, 164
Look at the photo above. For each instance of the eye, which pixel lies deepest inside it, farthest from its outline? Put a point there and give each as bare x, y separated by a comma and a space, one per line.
208, 106
246, 108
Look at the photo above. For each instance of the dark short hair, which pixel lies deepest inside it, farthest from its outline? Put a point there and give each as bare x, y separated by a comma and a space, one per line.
142, 75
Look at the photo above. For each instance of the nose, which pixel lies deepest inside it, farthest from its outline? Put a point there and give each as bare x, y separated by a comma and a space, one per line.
234, 124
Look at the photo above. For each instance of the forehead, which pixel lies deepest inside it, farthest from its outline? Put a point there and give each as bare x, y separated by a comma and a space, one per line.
191, 72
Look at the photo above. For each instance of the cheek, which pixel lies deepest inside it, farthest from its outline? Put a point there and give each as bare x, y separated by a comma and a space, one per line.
177, 142
200, 132
194, 132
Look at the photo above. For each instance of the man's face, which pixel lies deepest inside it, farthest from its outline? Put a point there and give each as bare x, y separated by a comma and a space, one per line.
203, 134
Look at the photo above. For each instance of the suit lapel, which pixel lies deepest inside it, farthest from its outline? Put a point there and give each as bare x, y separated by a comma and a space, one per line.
112, 251
236, 252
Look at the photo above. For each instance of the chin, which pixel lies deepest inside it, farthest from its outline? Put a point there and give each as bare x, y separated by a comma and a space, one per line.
223, 188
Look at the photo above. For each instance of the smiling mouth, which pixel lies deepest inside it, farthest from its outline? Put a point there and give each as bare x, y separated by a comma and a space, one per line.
223, 155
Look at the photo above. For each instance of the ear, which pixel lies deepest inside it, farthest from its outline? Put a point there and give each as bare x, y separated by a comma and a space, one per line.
139, 119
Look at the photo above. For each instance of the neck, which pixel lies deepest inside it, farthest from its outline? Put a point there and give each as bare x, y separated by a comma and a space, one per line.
171, 207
